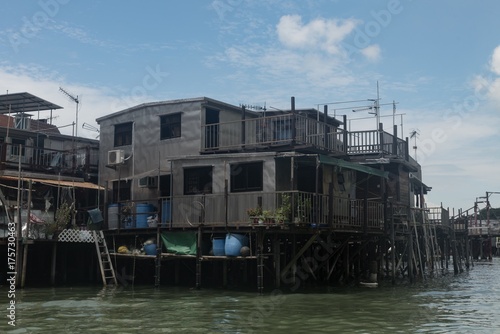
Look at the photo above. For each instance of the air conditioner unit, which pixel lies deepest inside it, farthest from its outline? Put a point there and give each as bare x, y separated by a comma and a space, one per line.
116, 157
148, 182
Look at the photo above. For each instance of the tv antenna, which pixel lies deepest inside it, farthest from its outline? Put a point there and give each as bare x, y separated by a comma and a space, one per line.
87, 126
414, 134
77, 101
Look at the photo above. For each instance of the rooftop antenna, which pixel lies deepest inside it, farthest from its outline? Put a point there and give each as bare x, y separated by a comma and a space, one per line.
77, 101
414, 134
87, 126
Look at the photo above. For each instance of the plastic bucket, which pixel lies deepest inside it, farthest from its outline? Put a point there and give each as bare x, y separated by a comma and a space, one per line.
143, 210
218, 246
234, 242
150, 249
113, 216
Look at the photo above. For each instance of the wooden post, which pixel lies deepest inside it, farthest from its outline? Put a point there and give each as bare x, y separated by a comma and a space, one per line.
294, 121
393, 245
326, 143
53, 264
260, 261
25, 260
347, 264
467, 247
243, 134
198, 258
224, 273
277, 260
410, 255
158, 255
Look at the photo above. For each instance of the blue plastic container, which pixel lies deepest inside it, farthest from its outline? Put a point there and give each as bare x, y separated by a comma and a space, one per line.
113, 216
150, 249
234, 242
143, 211
165, 212
218, 246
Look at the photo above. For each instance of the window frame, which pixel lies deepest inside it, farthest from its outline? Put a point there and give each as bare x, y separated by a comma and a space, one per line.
200, 183
123, 134
250, 171
170, 129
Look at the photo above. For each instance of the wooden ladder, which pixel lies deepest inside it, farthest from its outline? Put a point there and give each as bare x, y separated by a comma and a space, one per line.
107, 271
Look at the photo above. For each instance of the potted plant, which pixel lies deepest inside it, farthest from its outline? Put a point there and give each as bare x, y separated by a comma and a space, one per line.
255, 214
283, 213
268, 216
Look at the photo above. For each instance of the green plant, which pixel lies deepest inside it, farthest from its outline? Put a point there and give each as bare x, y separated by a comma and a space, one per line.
63, 216
284, 212
254, 212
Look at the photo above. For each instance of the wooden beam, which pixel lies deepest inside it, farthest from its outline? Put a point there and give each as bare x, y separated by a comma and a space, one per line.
299, 254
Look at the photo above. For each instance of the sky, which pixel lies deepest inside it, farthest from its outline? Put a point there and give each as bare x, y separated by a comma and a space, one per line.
437, 62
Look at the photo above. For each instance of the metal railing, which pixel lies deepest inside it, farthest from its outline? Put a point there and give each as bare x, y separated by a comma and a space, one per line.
67, 162
293, 207
272, 130
372, 141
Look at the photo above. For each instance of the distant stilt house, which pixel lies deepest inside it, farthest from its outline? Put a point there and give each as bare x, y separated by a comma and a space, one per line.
40, 169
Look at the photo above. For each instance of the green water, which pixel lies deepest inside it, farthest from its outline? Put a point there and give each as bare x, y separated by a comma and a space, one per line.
468, 303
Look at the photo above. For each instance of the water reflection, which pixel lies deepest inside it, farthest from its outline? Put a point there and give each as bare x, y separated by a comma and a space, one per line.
458, 304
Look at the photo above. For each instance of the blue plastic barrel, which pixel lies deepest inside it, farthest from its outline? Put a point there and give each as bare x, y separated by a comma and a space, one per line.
234, 242
165, 212
113, 216
218, 246
143, 211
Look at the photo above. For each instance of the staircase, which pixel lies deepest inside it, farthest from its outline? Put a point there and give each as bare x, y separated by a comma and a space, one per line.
107, 271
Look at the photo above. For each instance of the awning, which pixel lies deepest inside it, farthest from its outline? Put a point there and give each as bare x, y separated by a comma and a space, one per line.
24, 102
351, 165
77, 184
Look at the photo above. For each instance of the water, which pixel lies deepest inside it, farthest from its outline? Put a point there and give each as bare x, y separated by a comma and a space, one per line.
468, 303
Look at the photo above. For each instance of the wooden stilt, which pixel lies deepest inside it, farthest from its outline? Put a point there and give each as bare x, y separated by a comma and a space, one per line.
411, 273
53, 264
277, 260
224, 273
198, 257
393, 253
25, 261
177, 269
260, 261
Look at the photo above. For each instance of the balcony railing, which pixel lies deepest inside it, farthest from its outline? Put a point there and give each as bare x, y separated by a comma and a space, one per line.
368, 142
300, 208
272, 131
69, 162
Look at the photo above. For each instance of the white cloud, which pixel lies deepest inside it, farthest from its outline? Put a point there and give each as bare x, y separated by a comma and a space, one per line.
95, 101
372, 52
320, 33
495, 61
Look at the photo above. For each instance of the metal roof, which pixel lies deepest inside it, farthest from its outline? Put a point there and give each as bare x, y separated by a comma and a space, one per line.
24, 102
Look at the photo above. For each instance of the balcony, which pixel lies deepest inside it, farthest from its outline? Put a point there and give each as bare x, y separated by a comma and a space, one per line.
77, 162
376, 142
280, 208
273, 131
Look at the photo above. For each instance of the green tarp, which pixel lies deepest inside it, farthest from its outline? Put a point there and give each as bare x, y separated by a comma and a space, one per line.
351, 165
181, 243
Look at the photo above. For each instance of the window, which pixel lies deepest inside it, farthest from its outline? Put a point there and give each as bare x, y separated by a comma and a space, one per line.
15, 146
246, 177
170, 126
121, 191
123, 134
198, 180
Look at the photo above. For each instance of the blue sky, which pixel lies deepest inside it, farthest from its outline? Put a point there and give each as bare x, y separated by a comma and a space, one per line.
439, 60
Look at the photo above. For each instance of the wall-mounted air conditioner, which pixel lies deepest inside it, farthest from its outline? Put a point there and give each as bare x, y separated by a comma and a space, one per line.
116, 157
148, 182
